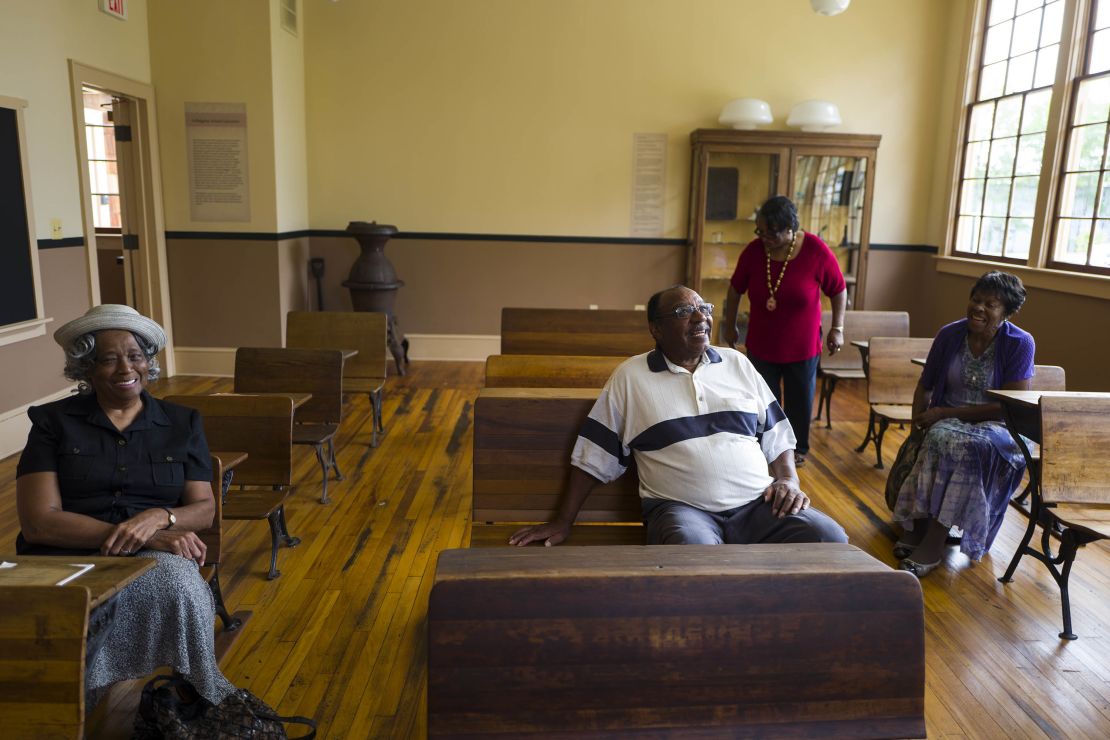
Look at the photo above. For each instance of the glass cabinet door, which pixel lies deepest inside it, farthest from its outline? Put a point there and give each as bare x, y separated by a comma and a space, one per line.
830, 193
735, 185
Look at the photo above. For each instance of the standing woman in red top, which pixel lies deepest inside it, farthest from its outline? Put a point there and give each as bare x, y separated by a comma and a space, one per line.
784, 271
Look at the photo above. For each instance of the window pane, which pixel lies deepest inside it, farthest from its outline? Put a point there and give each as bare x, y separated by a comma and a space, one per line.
1085, 149
1035, 117
1000, 11
992, 237
976, 163
1029, 155
102, 177
992, 80
1100, 249
1100, 52
997, 46
1053, 20
105, 211
1002, 157
967, 234
971, 199
997, 202
1046, 66
1078, 196
1071, 241
1024, 201
1092, 102
1024, 6
1019, 232
1007, 116
1102, 20
1021, 73
1027, 32
982, 120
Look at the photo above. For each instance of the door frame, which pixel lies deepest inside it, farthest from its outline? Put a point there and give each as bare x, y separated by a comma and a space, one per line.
151, 275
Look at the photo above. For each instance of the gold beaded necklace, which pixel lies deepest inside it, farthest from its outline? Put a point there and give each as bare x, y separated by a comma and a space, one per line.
772, 304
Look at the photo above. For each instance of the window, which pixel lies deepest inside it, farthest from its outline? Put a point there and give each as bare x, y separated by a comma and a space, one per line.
1034, 174
100, 141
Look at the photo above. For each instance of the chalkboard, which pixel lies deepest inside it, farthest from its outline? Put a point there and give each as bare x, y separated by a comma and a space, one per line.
721, 192
17, 281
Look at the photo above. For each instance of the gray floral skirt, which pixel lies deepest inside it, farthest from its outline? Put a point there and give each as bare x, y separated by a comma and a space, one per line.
964, 476
164, 618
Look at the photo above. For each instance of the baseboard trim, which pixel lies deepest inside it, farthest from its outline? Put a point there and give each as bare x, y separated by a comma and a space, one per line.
215, 361
457, 347
14, 424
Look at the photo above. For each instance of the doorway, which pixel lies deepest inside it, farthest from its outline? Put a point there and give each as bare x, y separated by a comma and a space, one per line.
122, 195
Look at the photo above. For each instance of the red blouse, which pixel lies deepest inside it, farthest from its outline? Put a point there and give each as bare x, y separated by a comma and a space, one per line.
792, 332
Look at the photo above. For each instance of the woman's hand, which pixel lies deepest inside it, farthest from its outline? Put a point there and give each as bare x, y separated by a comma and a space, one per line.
730, 334
186, 544
834, 341
928, 417
130, 536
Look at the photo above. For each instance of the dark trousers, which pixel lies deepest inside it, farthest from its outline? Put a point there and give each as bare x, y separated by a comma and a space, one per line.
674, 523
798, 381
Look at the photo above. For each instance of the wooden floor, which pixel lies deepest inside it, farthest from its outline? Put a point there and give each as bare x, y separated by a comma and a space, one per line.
341, 635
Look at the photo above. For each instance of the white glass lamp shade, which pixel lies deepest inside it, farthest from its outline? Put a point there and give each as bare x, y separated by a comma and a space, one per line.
829, 7
814, 115
745, 113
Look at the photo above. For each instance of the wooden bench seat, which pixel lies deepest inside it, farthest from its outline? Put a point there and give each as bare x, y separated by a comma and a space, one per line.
549, 371
574, 331
523, 438
695, 641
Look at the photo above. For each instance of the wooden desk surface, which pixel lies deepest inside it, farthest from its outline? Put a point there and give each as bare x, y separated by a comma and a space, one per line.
299, 399
652, 561
1031, 399
107, 577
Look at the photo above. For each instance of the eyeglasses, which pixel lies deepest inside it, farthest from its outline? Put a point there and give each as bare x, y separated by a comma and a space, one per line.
769, 232
685, 311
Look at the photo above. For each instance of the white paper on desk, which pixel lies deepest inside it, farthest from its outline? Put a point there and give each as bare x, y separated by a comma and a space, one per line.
6, 564
85, 568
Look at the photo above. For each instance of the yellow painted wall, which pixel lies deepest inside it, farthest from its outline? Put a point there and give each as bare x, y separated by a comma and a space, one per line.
517, 116
36, 40
212, 51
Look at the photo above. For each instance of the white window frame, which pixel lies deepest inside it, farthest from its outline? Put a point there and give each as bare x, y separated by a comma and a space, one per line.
1033, 272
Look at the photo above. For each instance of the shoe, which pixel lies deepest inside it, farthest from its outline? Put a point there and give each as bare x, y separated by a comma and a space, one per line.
799, 459
918, 569
903, 550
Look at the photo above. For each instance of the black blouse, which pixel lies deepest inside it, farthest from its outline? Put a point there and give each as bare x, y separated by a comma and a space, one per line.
112, 475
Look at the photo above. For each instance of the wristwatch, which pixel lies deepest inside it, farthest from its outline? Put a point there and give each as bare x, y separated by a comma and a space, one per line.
173, 519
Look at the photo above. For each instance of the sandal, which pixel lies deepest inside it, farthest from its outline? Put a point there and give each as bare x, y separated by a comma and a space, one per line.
799, 459
918, 569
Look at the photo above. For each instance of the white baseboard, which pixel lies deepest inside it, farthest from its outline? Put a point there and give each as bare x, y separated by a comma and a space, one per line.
216, 361
473, 347
14, 424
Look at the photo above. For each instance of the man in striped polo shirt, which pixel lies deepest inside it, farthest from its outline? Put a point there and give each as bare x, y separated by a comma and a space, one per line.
714, 451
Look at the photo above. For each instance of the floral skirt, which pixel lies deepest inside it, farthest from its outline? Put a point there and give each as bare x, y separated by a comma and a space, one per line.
964, 477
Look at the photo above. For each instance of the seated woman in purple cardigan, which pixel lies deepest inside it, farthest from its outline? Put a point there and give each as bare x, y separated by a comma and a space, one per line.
968, 465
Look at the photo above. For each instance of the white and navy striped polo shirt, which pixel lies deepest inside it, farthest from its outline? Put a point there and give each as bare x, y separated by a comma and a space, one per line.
703, 438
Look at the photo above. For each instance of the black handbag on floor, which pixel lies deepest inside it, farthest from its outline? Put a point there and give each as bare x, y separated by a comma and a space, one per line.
162, 714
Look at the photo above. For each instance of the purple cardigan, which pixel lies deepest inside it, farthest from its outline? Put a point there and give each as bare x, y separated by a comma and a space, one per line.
1013, 356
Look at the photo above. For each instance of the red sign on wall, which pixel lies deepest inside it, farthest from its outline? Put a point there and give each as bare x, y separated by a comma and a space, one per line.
115, 8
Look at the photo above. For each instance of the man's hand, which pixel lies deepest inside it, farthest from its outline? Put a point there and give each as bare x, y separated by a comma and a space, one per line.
785, 498
834, 341
186, 544
552, 533
132, 535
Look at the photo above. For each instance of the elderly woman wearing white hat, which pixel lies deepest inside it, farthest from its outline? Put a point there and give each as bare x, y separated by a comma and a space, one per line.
114, 471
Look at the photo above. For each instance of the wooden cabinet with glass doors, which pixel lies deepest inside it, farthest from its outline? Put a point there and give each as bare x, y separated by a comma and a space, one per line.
830, 178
